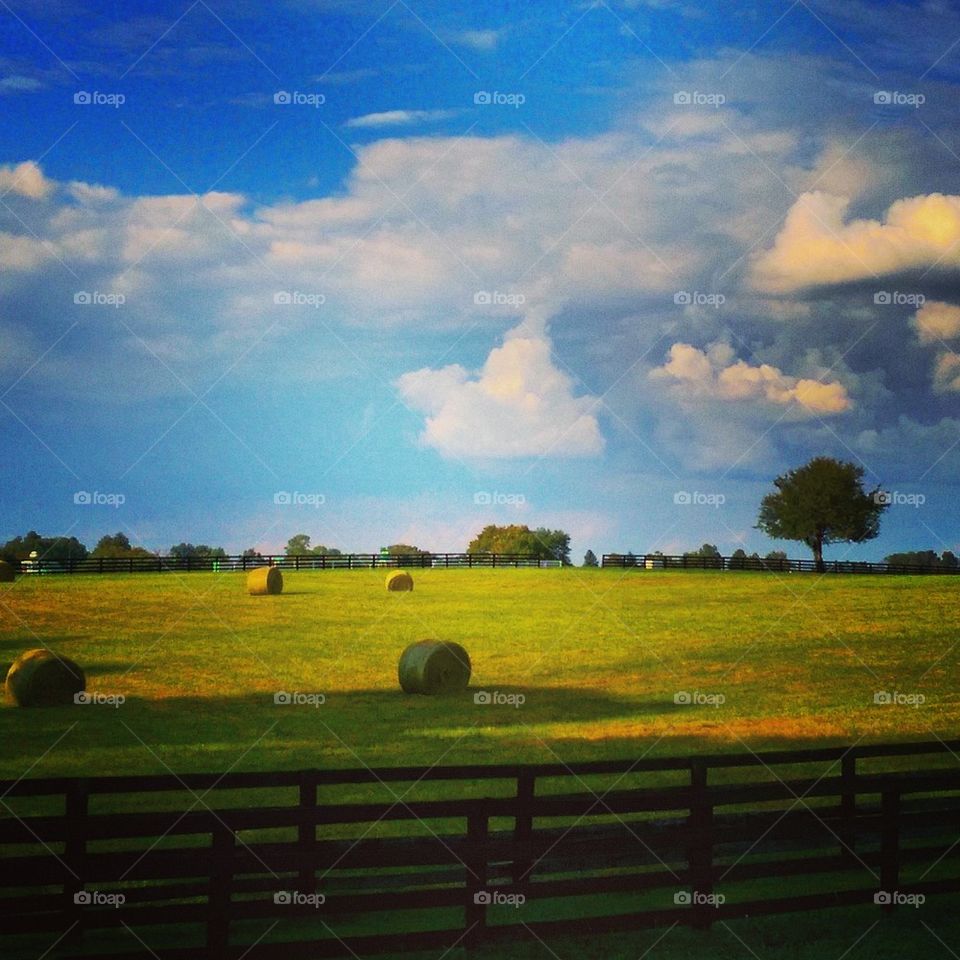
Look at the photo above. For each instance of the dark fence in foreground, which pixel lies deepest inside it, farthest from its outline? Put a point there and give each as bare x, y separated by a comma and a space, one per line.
657, 561
350, 561
422, 861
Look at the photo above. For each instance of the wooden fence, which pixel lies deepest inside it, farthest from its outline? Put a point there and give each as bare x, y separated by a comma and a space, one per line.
657, 561
367, 561
272, 866
349, 561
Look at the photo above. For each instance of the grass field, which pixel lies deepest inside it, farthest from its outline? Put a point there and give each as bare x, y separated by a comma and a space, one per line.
598, 656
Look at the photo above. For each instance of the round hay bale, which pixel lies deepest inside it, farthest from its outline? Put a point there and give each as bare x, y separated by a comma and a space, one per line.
264, 580
7, 573
40, 678
398, 580
434, 666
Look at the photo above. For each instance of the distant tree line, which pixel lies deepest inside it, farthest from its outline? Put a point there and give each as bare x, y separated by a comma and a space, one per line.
927, 559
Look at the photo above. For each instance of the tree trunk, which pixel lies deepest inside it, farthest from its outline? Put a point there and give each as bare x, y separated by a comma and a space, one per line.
818, 553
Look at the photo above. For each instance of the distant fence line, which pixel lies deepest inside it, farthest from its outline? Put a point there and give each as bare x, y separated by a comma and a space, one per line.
368, 561
657, 561
348, 561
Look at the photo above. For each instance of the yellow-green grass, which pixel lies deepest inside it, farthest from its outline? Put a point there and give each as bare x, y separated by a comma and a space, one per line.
598, 656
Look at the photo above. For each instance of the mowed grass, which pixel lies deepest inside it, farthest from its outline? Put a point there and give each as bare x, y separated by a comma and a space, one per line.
598, 656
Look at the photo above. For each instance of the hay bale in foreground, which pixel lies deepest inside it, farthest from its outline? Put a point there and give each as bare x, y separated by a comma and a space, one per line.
41, 678
264, 580
7, 573
434, 666
398, 580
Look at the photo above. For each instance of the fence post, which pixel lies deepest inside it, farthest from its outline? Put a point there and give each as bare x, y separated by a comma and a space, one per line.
848, 806
76, 806
478, 824
219, 896
700, 851
889, 845
523, 825
307, 833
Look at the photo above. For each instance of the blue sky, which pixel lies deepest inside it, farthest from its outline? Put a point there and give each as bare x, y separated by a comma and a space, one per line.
555, 264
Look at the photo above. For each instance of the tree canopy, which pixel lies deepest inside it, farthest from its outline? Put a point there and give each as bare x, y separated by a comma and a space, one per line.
48, 548
118, 545
184, 550
707, 550
927, 559
299, 546
541, 543
820, 503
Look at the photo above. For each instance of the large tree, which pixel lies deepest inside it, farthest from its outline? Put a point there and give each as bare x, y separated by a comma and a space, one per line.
820, 503
405, 550
520, 539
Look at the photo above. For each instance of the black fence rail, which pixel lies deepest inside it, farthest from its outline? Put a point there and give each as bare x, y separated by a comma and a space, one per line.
657, 561
431, 857
367, 561
351, 561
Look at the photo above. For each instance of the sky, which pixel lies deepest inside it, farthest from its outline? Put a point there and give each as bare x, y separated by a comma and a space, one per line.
391, 271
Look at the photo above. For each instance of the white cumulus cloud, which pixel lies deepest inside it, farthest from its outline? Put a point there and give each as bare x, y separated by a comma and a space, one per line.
816, 247
713, 374
937, 320
26, 180
518, 405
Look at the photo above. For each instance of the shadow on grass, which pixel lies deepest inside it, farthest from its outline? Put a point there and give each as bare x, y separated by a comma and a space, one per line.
180, 720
